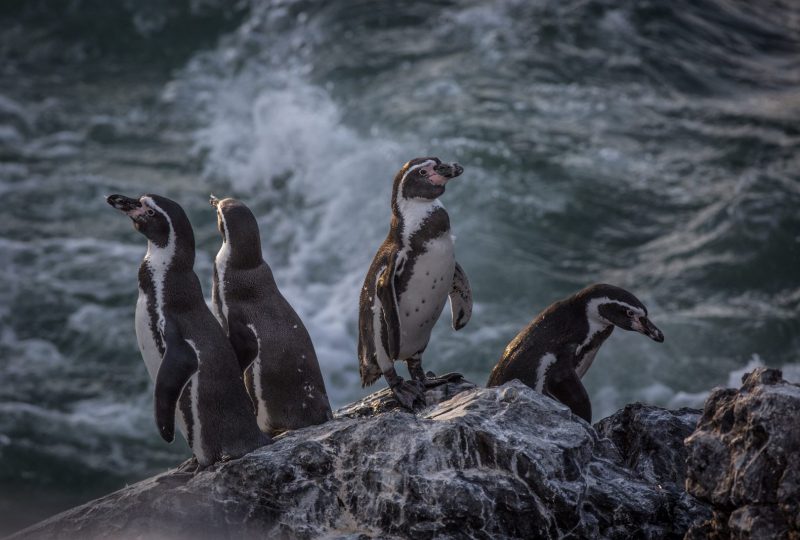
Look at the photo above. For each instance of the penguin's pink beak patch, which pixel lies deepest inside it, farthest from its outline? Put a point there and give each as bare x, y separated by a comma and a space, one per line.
130, 207
442, 173
437, 179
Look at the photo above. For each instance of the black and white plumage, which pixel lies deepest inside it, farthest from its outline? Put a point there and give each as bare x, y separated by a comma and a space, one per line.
272, 345
556, 349
410, 279
197, 377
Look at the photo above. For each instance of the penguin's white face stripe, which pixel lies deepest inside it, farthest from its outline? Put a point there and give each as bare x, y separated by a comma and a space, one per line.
598, 323
428, 163
593, 308
541, 371
221, 261
159, 259
433, 177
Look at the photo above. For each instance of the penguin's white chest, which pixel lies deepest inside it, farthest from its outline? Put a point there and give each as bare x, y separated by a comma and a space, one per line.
430, 282
145, 338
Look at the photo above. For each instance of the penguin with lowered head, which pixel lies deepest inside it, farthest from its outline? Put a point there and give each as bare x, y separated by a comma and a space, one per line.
557, 348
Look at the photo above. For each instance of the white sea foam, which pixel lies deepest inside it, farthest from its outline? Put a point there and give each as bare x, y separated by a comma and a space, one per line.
331, 213
607, 399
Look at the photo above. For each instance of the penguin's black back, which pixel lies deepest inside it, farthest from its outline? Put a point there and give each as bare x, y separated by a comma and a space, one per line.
555, 330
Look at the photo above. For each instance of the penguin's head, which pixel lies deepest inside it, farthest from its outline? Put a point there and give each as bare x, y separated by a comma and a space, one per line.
239, 229
607, 304
424, 178
159, 219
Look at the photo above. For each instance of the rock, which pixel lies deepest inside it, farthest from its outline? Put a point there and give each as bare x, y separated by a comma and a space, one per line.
504, 462
384, 400
744, 459
650, 441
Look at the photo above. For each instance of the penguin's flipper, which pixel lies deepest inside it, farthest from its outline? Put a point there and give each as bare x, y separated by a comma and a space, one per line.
384, 290
565, 386
243, 338
460, 299
368, 307
177, 367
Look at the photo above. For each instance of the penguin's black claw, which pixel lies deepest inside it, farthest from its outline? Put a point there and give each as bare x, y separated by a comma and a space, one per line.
410, 394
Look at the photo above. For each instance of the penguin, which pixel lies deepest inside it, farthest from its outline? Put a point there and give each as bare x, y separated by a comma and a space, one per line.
272, 345
409, 281
557, 348
197, 378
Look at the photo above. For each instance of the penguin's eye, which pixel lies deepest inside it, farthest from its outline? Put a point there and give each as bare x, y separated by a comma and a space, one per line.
630, 313
151, 212
423, 172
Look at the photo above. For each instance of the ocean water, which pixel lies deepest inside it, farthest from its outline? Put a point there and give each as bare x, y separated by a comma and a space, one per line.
647, 144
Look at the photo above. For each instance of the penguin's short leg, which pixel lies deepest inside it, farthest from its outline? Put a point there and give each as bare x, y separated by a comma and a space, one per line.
410, 394
415, 368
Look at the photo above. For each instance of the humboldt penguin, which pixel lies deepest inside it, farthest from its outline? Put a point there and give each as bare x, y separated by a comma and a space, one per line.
197, 378
409, 281
556, 349
272, 345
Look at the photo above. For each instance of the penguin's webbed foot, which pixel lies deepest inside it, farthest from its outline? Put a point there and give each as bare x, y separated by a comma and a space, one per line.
410, 394
432, 380
190, 466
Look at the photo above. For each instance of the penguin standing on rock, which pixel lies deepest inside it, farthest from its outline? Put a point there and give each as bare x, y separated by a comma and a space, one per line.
272, 345
556, 349
185, 350
409, 281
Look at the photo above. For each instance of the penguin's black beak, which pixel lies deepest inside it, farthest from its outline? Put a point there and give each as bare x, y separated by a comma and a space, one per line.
213, 201
449, 170
123, 203
647, 328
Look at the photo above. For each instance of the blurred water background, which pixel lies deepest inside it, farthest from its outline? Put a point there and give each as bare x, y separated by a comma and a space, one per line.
653, 145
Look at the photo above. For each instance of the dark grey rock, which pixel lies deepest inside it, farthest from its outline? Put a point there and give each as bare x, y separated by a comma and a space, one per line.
504, 462
744, 459
650, 441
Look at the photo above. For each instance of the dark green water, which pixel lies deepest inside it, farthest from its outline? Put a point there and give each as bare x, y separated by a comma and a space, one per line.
650, 145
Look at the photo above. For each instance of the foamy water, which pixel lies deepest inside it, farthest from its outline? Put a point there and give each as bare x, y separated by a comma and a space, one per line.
650, 147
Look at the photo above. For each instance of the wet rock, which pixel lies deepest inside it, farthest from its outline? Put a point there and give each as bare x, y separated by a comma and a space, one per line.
744, 459
650, 441
504, 462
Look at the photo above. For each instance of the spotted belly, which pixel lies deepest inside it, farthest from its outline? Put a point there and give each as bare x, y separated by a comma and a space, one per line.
420, 305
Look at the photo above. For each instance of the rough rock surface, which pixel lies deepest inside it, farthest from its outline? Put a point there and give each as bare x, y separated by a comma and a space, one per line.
650, 440
504, 462
744, 459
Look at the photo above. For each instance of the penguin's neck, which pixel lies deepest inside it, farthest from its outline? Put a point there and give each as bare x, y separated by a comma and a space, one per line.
410, 214
170, 256
242, 254
598, 329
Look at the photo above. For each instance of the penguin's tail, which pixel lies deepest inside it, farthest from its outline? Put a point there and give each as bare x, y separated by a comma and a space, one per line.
370, 372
